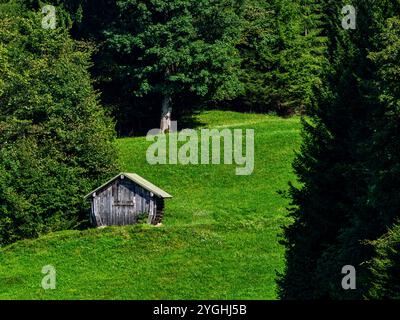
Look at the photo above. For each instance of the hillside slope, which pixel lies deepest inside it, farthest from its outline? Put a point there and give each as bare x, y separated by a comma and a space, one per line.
219, 239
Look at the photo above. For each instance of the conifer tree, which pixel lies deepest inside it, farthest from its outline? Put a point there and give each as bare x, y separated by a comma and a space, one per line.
385, 182
303, 60
283, 51
333, 218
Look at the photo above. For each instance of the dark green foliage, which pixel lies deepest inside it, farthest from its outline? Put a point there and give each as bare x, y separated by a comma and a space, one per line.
386, 267
10, 8
259, 51
182, 51
190, 51
333, 214
56, 142
283, 54
303, 64
385, 182
280, 55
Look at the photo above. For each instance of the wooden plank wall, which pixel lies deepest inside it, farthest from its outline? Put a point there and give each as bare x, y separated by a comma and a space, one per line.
121, 203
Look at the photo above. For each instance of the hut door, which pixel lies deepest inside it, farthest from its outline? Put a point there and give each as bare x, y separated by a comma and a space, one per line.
124, 208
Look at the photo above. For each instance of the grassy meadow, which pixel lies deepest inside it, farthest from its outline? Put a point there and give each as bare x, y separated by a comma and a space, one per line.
219, 238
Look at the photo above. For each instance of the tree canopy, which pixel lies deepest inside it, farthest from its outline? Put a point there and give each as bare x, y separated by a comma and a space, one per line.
56, 142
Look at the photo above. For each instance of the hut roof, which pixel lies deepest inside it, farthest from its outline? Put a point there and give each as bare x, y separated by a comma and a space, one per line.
138, 180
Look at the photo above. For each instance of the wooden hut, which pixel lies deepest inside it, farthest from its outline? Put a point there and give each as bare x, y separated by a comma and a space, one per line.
125, 198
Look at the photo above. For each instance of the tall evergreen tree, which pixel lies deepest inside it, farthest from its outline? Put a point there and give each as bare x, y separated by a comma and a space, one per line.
302, 59
332, 218
258, 48
283, 54
385, 182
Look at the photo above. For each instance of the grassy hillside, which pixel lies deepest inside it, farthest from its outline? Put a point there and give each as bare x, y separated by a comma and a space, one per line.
219, 239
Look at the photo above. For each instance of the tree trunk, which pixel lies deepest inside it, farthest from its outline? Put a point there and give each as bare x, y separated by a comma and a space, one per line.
166, 111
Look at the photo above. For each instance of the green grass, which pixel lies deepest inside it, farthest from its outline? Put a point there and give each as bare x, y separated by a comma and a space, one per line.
219, 239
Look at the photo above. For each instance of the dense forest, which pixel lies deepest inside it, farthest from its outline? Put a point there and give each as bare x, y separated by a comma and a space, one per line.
119, 68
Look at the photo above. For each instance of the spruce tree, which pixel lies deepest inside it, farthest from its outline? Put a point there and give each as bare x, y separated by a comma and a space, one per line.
385, 182
332, 216
283, 51
259, 50
303, 62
